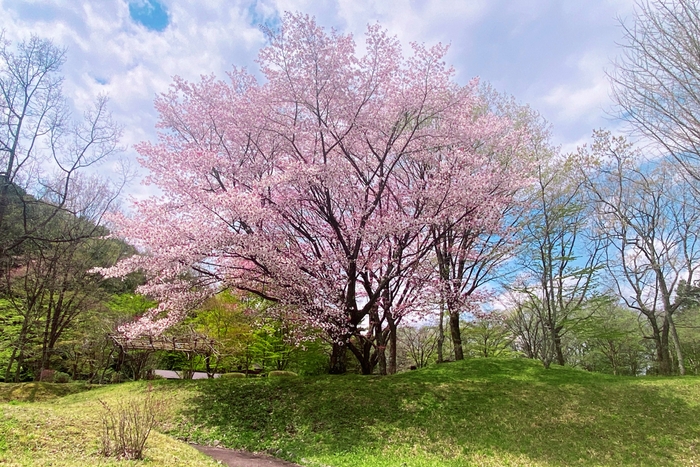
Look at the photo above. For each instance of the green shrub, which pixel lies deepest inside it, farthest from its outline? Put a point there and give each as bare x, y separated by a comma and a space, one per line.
233, 375
60, 377
281, 374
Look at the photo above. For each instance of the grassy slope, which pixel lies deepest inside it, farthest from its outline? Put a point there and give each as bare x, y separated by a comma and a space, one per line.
478, 412
65, 432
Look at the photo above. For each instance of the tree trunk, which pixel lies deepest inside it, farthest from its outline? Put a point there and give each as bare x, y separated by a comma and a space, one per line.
441, 333
4, 193
379, 340
664, 361
381, 352
8, 370
392, 347
561, 361
456, 335
106, 366
666, 351
18, 344
45, 340
547, 346
338, 363
676, 344
120, 360
20, 362
62, 317
207, 365
22, 342
663, 358
364, 355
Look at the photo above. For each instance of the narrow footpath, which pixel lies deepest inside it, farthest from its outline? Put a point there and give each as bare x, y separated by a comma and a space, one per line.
234, 458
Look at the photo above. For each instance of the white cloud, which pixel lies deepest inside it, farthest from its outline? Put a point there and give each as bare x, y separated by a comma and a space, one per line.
585, 97
520, 46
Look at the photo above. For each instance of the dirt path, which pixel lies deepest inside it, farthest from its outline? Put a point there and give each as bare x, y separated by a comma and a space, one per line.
234, 458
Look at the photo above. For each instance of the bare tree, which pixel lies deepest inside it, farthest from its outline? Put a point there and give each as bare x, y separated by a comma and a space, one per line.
41, 148
419, 343
50, 285
656, 80
649, 222
559, 261
462, 274
51, 210
526, 327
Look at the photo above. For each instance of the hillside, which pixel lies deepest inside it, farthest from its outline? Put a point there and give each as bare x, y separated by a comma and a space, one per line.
478, 412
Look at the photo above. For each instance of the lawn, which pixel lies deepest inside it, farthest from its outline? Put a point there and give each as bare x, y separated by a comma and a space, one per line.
480, 412
65, 431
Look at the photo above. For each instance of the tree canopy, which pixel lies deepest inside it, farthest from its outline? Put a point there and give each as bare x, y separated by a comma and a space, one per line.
319, 187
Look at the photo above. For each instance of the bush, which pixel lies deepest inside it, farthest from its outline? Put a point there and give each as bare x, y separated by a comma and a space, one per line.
60, 377
127, 424
281, 374
233, 375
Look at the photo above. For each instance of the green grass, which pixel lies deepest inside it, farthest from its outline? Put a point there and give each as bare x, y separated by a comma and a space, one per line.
478, 412
481, 412
65, 432
36, 392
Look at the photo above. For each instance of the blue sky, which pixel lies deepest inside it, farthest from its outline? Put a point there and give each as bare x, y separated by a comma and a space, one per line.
151, 14
551, 54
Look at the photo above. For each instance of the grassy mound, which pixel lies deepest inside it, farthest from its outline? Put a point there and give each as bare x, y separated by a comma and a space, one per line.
478, 412
481, 412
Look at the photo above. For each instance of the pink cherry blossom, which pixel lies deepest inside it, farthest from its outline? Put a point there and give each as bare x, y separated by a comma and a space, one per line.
319, 187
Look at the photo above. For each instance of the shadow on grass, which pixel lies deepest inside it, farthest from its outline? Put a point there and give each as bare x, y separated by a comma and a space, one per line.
455, 412
38, 392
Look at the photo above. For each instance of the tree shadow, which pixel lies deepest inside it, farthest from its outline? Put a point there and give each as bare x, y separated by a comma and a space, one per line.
38, 391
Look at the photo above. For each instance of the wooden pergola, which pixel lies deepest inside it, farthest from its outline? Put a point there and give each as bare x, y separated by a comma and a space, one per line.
192, 343
189, 344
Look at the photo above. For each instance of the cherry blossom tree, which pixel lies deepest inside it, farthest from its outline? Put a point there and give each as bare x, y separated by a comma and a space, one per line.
470, 255
318, 187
